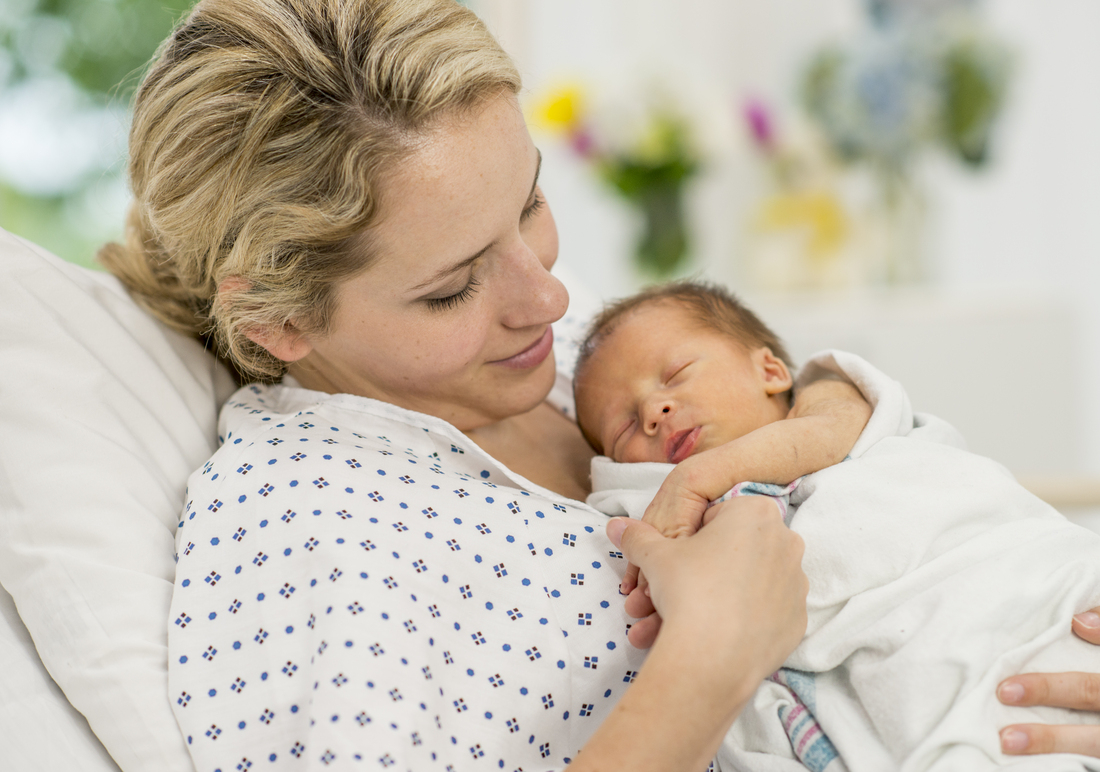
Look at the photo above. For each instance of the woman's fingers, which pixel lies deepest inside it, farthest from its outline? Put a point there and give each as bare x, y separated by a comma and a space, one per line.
1026, 739
630, 579
734, 589
1087, 625
638, 604
1078, 691
644, 632
633, 537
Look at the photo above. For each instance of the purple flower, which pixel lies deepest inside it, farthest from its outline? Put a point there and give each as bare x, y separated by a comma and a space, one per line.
760, 123
584, 144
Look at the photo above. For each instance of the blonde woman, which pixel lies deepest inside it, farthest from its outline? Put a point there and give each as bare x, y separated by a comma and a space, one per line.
388, 563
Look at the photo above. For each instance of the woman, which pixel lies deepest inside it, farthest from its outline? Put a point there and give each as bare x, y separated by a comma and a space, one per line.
344, 191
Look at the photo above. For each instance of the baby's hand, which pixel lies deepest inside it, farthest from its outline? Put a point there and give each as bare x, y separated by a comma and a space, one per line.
677, 510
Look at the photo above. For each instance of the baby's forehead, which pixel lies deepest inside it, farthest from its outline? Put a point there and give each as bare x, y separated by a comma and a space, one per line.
641, 339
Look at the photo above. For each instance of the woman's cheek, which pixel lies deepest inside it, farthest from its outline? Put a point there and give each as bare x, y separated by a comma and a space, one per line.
461, 343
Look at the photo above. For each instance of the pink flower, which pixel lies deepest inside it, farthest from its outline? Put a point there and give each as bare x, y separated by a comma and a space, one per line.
584, 144
760, 123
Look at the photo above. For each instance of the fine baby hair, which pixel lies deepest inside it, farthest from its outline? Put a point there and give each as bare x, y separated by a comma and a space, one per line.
709, 304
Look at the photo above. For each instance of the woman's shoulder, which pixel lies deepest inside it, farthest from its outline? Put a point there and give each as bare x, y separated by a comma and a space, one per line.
257, 410
292, 436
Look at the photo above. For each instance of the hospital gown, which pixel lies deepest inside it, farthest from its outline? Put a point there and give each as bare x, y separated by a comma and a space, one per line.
360, 586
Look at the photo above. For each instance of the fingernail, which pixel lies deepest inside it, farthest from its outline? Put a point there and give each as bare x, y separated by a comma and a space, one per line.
647, 591
1088, 619
1010, 693
1014, 740
621, 589
615, 528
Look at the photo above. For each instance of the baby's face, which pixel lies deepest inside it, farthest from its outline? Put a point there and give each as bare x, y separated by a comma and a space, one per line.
662, 387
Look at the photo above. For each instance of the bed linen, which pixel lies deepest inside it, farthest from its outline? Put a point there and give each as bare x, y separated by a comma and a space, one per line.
933, 575
103, 414
40, 729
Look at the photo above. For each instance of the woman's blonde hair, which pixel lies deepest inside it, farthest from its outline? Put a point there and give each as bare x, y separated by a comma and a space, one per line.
261, 136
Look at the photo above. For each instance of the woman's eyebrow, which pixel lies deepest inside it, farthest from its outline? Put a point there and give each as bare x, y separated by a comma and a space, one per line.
453, 269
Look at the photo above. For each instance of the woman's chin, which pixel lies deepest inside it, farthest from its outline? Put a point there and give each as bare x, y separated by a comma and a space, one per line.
523, 394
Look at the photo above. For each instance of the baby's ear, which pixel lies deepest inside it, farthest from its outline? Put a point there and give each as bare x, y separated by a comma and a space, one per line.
773, 371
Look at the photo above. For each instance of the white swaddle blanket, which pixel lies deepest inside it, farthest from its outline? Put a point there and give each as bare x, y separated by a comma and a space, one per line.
933, 576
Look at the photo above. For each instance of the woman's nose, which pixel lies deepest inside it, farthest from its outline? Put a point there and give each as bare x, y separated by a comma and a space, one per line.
535, 296
656, 414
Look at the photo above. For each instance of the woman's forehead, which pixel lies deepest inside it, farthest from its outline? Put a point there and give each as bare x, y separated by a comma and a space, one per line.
469, 178
459, 178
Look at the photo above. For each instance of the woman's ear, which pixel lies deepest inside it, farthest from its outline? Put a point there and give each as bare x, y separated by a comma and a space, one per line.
773, 371
283, 342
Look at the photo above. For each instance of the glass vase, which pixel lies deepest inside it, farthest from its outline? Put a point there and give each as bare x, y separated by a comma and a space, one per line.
663, 243
900, 219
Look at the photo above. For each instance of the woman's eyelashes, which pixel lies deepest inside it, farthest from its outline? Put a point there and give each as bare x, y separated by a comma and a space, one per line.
464, 294
533, 208
451, 301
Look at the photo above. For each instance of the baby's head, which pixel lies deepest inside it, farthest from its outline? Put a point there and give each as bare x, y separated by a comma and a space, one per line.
676, 370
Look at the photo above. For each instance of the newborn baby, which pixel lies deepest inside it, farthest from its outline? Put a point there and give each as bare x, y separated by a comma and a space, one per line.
686, 375
933, 574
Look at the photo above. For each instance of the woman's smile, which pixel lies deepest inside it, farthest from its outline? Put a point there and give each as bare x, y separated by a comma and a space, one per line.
532, 355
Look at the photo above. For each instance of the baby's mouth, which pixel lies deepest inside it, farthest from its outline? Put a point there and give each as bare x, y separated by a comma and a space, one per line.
680, 445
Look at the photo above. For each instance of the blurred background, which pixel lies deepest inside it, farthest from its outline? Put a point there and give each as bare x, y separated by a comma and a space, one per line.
917, 181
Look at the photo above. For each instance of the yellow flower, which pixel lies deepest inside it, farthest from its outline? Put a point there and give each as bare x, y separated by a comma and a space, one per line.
816, 211
559, 109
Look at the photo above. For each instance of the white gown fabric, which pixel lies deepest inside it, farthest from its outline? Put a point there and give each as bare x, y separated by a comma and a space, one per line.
933, 576
360, 586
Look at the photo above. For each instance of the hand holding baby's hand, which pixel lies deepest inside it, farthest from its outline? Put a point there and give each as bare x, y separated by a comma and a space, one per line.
679, 509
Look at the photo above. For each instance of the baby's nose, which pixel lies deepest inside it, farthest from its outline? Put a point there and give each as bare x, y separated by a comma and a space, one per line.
660, 412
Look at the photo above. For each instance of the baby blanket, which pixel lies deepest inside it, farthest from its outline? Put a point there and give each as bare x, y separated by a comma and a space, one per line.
933, 575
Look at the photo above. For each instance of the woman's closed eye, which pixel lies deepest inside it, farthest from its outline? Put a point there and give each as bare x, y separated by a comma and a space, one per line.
451, 301
537, 203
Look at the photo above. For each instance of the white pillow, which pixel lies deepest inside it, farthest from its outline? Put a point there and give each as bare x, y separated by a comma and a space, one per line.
39, 728
103, 415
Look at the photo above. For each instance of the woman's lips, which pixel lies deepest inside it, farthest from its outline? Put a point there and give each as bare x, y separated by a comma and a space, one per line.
679, 445
532, 355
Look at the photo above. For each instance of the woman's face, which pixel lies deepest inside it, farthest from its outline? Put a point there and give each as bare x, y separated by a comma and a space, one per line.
453, 317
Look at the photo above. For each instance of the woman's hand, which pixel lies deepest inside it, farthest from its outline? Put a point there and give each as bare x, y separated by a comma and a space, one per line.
734, 601
744, 566
1078, 691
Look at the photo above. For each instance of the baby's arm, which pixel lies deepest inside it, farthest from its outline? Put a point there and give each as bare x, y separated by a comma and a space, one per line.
820, 430
822, 427
825, 422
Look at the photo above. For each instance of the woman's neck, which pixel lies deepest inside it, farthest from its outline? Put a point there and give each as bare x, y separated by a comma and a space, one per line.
542, 445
